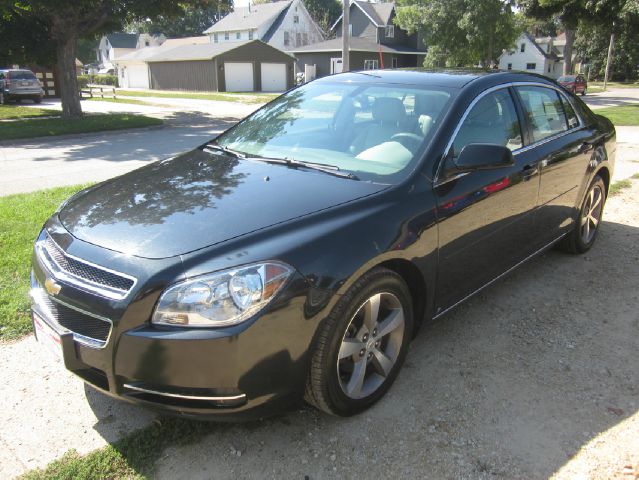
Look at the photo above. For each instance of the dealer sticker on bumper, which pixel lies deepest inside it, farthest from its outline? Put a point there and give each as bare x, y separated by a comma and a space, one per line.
47, 336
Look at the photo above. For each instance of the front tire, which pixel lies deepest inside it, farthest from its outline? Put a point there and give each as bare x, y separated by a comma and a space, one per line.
584, 234
361, 345
583, 94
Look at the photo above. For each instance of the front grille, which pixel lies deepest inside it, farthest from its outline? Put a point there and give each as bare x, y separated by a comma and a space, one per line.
85, 271
77, 322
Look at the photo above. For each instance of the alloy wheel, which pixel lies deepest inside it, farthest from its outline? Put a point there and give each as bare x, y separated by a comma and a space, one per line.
371, 345
591, 214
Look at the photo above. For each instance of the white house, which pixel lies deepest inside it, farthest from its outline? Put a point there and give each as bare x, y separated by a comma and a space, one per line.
115, 45
284, 25
534, 55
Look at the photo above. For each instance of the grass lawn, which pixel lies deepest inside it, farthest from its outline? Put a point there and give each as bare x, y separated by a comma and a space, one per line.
16, 111
627, 115
64, 126
132, 457
21, 217
225, 97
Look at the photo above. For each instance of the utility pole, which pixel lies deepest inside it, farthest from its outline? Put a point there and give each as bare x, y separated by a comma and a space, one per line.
345, 37
609, 60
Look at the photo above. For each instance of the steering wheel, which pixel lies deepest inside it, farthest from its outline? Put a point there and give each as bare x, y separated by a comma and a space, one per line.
411, 141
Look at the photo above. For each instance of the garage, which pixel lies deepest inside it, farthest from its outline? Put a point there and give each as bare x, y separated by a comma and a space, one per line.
238, 77
137, 76
273, 77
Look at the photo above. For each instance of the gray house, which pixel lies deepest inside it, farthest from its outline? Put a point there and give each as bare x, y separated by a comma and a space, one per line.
376, 42
226, 67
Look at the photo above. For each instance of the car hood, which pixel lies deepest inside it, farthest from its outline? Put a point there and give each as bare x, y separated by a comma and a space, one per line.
199, 199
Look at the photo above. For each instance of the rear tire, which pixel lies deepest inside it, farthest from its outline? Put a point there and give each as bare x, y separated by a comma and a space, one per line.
37, 100
583, 94
361, 345
584, 234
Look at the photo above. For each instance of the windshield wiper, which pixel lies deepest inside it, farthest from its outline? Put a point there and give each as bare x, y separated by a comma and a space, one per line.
320, 167
227, 150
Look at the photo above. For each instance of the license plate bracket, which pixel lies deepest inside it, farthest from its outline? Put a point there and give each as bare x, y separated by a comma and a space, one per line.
47, 337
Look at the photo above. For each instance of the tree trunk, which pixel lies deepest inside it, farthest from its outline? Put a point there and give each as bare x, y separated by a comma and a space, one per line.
611, 48
67, 78
570, 38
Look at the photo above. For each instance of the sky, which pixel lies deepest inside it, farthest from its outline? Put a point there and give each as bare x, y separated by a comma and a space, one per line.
240, 3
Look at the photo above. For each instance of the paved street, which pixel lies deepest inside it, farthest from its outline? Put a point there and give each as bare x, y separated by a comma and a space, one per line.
29, 165
612, 97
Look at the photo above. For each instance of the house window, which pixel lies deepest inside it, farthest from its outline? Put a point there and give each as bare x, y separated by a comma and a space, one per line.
531, 66
226, 35
390, 31
287, 40
147, 43
298, 39
548, 68
250, 34
510, 66
370, 64
350, 29
394, 62
296, 19
522, 49
305, 38
215, 39
238, 35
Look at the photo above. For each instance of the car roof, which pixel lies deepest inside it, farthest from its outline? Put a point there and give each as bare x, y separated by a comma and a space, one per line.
444, 78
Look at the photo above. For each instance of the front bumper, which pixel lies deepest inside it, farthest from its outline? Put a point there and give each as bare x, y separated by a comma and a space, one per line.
249, 370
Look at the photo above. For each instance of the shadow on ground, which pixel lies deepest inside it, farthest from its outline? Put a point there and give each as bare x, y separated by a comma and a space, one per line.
611, 100
182, 131
512, 384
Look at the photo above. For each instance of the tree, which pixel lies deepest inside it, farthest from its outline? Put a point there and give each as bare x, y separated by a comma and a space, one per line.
324, 12
192, 22
594, 39
568, 12
460, 32
42, 28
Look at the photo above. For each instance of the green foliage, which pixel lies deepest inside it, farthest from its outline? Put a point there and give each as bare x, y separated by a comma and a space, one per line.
21, 218
84, 80
460, 32
192, 21
15, 111
324, 12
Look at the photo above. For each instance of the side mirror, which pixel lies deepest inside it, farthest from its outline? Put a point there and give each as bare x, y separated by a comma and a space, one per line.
483, 156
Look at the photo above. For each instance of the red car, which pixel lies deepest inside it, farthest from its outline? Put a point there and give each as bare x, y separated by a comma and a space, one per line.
574, 83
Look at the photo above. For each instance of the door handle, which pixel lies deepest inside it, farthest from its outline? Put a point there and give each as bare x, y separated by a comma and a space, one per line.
586, 147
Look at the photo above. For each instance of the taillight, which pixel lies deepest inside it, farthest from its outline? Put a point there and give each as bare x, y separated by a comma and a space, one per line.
7, 80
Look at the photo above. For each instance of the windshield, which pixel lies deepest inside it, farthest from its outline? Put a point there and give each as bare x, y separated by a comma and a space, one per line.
566, 79
374, 131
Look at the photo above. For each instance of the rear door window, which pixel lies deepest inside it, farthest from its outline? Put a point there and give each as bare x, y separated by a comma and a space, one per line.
544, 111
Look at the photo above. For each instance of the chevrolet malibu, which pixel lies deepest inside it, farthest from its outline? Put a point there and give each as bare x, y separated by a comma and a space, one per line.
296, 255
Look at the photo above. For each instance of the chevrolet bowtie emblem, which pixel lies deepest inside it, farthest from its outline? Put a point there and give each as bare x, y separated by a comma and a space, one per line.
52, 287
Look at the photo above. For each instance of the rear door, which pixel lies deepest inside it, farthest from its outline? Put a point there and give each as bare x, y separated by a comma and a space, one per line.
563, 145
485, 216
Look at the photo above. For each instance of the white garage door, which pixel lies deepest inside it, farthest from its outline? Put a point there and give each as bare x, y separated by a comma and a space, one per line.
138, 76
273, 77
238, 77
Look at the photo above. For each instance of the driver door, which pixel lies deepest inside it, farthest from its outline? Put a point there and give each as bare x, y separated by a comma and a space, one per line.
485, 216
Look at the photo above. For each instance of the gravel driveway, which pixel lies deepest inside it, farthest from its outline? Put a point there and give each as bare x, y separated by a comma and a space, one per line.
537, 375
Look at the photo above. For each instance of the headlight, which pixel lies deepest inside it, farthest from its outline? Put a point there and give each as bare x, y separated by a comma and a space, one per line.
221, 299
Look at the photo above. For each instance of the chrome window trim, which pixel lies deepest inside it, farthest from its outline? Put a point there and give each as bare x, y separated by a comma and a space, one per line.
38, 294
81, 282
523, 149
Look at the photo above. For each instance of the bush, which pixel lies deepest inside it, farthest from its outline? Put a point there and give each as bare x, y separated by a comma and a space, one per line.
84, 80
